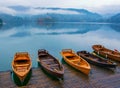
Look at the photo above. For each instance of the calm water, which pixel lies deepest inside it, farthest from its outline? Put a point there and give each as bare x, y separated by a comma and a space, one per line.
54, 37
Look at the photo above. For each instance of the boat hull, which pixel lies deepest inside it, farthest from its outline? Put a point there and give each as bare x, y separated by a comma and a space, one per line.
100, 64
82, 69
78, 63
93, 60
100, 50
21, 65
50, 64
50, 72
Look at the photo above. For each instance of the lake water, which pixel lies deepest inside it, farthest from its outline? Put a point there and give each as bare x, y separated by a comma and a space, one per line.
54, 37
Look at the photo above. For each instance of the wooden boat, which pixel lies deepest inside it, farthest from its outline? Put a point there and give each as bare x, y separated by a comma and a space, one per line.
101, 50
75, 61
96, 60
21, 65
50, 64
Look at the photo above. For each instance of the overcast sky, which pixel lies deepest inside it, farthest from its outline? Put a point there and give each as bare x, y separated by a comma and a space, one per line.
100, 6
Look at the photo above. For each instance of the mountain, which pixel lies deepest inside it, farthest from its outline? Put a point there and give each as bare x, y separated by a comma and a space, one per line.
10, 21
26, 14
42, 16
56, 14
69, 15
115, 18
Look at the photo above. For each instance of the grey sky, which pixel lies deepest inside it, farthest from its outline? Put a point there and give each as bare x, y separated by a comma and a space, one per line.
60, 3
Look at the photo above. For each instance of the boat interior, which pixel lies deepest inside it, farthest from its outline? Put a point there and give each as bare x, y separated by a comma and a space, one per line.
21, 63
50, 62
94, 58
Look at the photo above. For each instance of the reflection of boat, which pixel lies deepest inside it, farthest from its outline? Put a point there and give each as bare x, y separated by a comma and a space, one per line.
50, 64
21, 65
96, 60
101, 50
75, 61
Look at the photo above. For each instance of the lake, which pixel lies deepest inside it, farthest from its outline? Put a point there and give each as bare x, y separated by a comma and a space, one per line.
54, 37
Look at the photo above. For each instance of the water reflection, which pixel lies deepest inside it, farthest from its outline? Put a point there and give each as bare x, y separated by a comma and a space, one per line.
21, 34
54, 37
53, 28
70, 28
115, 27
30, 28
1, 24
49, 29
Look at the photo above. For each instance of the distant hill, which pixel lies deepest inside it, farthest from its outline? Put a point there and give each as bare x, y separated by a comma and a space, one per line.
115, 18
81, 15
53, 15
60, 15
9, 18
10, 21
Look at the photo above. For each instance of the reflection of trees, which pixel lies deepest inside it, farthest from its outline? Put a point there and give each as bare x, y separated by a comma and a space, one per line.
70, 27
56, 28
115, 27
21, 34
45, 21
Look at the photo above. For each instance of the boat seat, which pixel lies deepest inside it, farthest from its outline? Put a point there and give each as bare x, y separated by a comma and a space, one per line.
21, 65
48, 63
86, 55
75, 60
21, 69
47, 60
42, 55
53, 65
56, 69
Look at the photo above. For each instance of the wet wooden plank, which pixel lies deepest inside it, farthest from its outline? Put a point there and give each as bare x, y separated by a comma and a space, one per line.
111, 81
6, 80
98, 78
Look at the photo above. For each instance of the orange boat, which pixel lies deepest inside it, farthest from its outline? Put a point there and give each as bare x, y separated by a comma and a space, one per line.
21, 65
101, 50
75, 61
